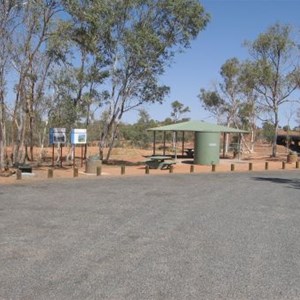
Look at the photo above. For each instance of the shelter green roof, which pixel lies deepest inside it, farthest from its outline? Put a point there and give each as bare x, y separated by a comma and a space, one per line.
197, 126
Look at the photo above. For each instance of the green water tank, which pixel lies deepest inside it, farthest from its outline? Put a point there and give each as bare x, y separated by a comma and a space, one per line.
207, 148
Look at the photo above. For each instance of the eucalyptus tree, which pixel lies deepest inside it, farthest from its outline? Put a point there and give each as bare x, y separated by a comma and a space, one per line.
178, 110
8, 13
274, 72
224, 101
29, 59
249, 111
298, 119
137, 133
83, 63
233, 101
212, 102
137, 40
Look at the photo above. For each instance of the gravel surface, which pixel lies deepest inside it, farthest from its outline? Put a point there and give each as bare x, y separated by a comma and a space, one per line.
193, 236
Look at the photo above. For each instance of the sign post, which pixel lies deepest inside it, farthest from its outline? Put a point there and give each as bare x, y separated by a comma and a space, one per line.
57, 136
78, 136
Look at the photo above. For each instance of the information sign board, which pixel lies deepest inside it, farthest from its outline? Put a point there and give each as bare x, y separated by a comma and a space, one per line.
57, 135
78, 136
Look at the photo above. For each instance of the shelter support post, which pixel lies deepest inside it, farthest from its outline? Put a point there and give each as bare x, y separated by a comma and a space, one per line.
164, 150
154, 142
224, 144
175, 144
182, 149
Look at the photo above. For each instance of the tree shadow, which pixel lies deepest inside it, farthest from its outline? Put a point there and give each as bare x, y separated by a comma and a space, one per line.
291, 183
119, 162
189, 162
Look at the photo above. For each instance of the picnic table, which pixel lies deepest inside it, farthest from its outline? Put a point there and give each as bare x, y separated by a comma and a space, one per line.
159, 162
189, 152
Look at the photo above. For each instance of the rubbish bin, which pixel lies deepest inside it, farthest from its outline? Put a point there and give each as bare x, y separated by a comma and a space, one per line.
92, 163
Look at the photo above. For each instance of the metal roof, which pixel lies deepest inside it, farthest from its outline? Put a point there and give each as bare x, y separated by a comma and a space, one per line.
197, 126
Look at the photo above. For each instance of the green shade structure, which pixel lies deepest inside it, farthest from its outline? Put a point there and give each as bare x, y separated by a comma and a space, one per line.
197, 126
207, 138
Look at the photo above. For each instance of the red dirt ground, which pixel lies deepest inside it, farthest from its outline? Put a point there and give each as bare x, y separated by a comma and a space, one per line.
132, 156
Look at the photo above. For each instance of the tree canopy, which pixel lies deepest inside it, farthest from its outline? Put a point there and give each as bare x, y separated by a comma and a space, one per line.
274, 72
257, 87
72, 57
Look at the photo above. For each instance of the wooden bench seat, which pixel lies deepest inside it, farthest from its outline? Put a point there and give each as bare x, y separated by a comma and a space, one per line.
166, 165
163, 165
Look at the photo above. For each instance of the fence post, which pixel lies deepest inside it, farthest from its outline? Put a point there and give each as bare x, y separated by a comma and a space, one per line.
250, 166
19, 174
99, 171
266, 165
232, 167
192, 169
50, 173
283, 165
147, 169
123, 170
75, 172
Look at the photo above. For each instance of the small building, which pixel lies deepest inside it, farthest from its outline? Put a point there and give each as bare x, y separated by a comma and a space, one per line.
206, 139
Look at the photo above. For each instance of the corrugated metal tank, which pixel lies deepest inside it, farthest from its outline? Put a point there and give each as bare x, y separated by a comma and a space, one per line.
207, 148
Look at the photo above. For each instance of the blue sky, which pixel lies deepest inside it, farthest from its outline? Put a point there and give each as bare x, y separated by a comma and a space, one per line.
232, 22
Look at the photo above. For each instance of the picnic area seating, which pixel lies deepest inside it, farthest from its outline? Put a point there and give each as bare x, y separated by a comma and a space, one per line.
189, 152
159, 162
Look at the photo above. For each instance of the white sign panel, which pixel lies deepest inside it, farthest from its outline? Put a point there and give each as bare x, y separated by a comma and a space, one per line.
78, 136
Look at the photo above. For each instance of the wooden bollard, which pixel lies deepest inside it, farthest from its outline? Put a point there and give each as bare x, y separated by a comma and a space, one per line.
232, 167
99, 171
250, 166
75, 172
192, 169
19, 174
123, 170
266, 165
50, 173
283, 165
213, 168
297, 164
171, 169
147, 170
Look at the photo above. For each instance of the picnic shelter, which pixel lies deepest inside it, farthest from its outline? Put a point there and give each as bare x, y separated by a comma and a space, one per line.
206, 139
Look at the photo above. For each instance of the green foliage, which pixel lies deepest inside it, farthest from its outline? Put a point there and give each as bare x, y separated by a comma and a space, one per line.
274, 72
64, 51
136, 40
212, 102
64, 115
178, 110
246, 114
225, 101
137, 133
268, 131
